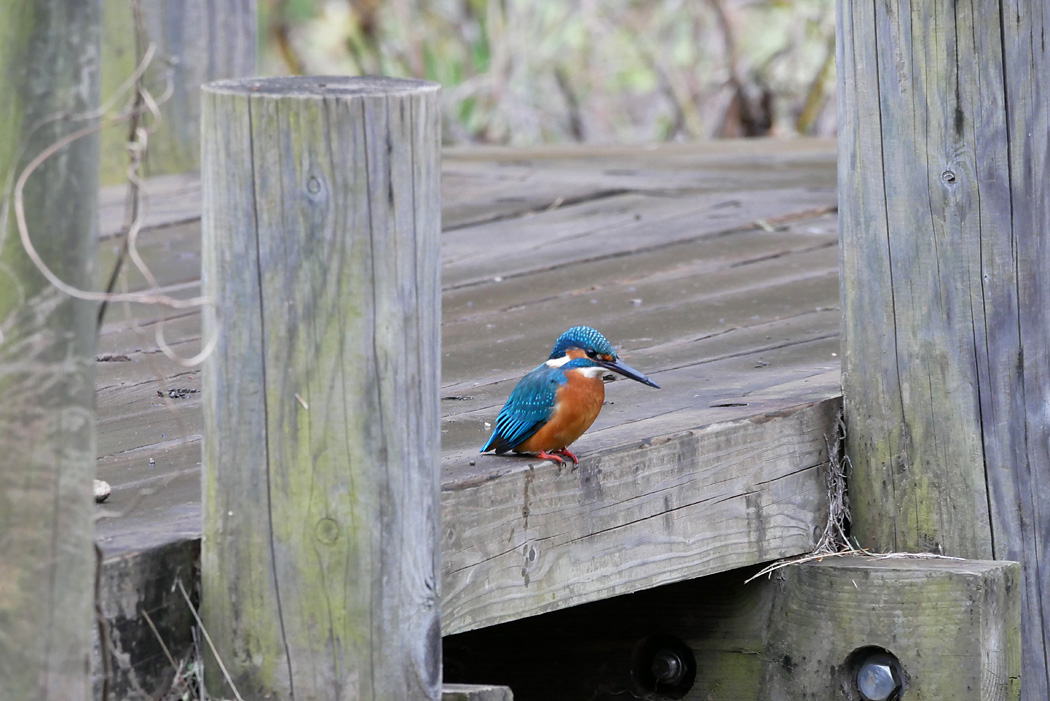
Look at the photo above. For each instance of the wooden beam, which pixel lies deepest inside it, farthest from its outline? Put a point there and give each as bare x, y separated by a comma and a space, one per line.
321, 241
49, 74
944, 146
953, 626
682, 502
475, 692
196, 41
146, 615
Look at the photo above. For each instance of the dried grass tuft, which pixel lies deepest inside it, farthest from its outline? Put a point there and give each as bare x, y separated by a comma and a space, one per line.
835, 541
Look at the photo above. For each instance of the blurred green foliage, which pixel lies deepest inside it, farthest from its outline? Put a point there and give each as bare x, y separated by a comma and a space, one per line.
535, 71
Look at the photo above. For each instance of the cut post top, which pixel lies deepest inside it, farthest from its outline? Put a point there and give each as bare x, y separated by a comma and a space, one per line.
321, 86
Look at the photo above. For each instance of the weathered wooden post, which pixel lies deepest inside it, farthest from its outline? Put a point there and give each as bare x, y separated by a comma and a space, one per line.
49, 72
944, 144
196, 41
321, 228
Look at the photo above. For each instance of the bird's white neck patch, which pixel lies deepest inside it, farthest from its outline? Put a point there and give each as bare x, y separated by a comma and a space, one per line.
591, 372
558, 362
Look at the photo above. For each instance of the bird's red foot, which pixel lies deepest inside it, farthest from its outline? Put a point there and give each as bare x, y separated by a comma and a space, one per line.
571, 456
544, 455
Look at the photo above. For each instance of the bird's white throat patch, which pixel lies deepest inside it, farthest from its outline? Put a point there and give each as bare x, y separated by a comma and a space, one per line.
595, 371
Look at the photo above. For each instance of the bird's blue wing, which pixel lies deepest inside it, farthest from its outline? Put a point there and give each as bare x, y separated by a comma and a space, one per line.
529, 407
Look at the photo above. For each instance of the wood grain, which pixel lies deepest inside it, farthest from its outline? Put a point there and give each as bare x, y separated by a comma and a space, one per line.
48, 68
945, 226
321, 248
954, 626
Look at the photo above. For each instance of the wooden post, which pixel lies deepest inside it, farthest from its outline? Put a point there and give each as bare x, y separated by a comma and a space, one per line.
48, 68
945, 228
952, 627
197, 41
321, 248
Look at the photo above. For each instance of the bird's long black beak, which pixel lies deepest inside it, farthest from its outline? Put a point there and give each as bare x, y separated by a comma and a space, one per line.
627, 371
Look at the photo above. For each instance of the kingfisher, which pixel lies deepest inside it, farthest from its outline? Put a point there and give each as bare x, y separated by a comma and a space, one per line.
555, 403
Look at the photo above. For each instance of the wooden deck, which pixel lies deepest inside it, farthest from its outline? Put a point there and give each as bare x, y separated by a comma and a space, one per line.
712, 267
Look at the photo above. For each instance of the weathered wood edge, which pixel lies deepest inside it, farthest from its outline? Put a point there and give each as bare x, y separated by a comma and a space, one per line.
475, 692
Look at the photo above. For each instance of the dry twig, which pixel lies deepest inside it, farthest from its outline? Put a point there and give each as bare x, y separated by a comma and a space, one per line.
204, 631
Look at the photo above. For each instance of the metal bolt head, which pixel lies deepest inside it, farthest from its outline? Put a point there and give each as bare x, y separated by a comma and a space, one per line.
667, 667
878, 678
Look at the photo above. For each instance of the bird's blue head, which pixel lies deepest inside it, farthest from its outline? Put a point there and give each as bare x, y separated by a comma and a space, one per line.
582, 346
585, 339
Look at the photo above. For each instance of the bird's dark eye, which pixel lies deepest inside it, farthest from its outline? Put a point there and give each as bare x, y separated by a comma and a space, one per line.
592, 353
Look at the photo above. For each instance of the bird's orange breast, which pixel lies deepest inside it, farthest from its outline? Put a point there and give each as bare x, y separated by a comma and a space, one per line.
576, 407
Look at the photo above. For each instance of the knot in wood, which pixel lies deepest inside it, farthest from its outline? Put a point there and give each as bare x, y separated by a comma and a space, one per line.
327, 531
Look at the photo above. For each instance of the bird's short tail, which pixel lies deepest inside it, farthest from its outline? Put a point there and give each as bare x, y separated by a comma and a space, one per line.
497, 443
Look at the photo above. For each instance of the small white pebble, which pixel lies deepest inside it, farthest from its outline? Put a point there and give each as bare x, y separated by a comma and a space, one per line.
102, 491
488, 425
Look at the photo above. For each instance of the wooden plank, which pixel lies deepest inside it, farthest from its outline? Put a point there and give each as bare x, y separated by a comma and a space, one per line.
483, 184
475, 692
321, 248
165, 200
48, 72
490, 183
953, 625
695, 309
945, 229
669, 503
623, 225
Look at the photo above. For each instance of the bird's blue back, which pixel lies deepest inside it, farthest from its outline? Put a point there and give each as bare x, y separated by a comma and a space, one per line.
530, 405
